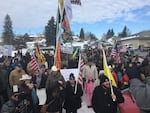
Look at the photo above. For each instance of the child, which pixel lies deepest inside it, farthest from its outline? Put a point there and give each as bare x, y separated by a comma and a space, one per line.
89, 90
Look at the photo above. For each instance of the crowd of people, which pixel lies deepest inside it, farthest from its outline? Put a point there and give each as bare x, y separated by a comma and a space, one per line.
18, 83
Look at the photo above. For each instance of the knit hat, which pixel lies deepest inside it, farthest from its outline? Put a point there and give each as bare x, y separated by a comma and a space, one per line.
71, 76
103, 78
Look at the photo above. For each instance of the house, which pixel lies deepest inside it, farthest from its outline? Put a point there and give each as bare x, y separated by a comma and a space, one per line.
141, 39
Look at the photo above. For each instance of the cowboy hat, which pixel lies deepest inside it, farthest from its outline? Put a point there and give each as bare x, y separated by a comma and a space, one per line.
25, 77
54, 68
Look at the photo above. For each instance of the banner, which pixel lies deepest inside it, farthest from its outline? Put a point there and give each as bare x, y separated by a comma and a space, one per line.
66, 73
67, 50
6, 50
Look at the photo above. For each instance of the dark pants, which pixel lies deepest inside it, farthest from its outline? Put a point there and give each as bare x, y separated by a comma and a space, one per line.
4, 95
67, 111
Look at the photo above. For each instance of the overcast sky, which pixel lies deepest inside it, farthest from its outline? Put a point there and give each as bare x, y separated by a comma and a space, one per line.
95, 16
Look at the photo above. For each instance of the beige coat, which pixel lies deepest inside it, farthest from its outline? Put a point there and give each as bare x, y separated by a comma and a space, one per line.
15, 76
87, 70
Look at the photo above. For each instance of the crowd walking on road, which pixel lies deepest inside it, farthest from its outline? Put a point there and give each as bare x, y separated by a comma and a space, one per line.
19, 84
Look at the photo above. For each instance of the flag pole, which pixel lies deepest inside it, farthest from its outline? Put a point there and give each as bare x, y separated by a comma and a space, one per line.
75, 91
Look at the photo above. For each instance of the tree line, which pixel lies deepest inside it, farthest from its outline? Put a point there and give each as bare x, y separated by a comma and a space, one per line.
124, 33
8, 35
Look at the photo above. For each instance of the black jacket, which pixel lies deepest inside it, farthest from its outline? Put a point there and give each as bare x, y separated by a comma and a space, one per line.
43, 81
9, 106
72, 100
102, 101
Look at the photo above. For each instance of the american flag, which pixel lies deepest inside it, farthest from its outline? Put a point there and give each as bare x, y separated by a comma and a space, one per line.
114, 51
115, 54
33, 63
80, 72
122, 49
79, 79
77, 2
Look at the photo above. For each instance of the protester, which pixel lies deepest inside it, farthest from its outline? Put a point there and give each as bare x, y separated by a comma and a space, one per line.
27, 88
145, 71
141, 93
55, 85
15, 75
11, 105
14, 63
39, 79
103, 100
132, 71
4, 84
124, 81
89, 86
113, 74
90, 68
72, 97
97, 81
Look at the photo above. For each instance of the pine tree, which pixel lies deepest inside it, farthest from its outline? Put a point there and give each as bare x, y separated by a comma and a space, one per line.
109, 34
81, 34
8, 35
125, 32
50, 32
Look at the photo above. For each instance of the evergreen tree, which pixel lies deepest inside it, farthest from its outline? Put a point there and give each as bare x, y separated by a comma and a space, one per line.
8, 35
109, 34
112, 33
125, 32
81, 34
26, 35
50, 32
92, 36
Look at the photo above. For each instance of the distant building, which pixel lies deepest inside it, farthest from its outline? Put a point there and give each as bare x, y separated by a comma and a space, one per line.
141, 39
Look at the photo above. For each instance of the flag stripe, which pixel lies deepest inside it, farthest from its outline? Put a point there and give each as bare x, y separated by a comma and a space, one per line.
80, 78
33, 63
80, 73
115, 54
122, 49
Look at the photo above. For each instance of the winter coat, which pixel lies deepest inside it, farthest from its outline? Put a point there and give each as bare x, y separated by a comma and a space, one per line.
4, 79
15, 76
55, 96
72, 100
133, 72
87, 70
102, 101
89, 86
141, 93
9, 107
145, 70
42, 82
115, 77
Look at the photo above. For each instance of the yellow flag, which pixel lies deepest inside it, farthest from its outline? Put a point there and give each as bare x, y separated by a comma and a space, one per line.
107, 71
61, 6
39, 55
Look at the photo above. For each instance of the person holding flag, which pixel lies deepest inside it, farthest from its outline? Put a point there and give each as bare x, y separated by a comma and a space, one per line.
72, 98
103, 100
